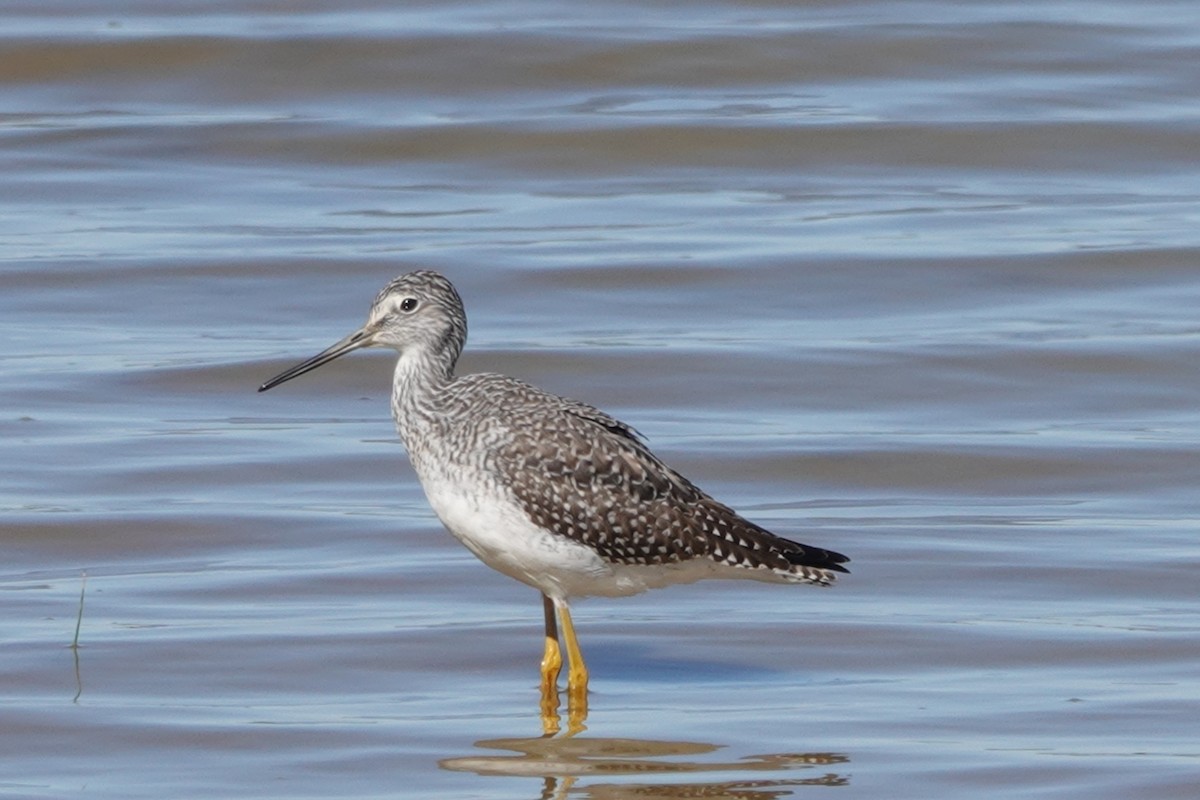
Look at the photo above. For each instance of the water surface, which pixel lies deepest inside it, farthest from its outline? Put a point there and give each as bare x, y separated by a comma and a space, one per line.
913, 281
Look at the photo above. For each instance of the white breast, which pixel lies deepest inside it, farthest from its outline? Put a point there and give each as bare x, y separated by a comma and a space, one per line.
496, 530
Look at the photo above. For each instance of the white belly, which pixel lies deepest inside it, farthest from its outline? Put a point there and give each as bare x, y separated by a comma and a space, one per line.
499, 533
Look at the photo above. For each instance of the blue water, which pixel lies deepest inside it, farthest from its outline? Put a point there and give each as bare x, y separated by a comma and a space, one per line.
913, 281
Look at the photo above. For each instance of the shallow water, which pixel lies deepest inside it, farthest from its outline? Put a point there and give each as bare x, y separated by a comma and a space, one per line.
913, 281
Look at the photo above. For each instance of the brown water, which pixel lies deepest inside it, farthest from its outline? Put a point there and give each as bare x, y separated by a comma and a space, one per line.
914, 281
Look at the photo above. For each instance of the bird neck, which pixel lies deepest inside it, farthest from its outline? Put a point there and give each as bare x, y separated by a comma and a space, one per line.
417, 385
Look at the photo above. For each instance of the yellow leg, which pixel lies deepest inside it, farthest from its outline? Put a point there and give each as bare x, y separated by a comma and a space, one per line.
577, 674
552, 658
551, 665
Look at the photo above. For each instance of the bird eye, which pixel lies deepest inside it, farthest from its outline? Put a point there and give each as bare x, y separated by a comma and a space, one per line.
408, 304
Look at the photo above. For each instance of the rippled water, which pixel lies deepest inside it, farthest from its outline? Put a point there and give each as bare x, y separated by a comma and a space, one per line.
914, 281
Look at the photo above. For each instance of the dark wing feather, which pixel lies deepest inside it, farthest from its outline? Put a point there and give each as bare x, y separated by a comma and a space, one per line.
589, 477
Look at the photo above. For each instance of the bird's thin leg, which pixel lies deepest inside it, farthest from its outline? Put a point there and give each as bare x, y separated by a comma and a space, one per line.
551, 665
552, 658
577, 674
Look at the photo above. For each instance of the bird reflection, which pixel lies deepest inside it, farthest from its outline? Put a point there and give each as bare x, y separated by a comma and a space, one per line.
551, 718
566, 763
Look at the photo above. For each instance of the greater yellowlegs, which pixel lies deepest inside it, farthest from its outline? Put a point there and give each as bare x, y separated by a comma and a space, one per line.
550, 491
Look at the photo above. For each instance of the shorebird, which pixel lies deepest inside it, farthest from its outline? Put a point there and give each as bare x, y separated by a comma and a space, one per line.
550, 491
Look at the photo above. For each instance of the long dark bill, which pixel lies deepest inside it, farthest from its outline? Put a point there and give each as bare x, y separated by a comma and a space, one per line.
354, 341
